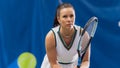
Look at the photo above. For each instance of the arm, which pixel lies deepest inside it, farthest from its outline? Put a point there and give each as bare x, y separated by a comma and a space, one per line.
86, 60
51, 50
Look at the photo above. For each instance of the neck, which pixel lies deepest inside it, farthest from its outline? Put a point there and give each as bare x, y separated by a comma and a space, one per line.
67, 33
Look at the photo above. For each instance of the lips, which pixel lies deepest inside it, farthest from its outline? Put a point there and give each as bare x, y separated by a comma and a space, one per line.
69, 24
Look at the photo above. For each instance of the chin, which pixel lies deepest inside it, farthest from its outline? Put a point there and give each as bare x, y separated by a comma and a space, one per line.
70, 27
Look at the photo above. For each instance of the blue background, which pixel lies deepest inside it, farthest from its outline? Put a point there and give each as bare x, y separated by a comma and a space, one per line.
25, 23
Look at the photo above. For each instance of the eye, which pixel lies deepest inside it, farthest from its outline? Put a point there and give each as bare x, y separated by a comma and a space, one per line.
71, 15
65, 16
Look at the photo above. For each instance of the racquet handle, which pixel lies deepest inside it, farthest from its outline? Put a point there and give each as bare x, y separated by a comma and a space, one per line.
78, 66
79, 62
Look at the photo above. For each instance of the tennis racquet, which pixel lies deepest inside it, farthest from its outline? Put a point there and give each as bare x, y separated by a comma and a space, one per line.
90, 29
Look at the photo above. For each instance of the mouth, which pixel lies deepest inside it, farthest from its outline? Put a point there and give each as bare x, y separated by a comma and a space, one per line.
69, 24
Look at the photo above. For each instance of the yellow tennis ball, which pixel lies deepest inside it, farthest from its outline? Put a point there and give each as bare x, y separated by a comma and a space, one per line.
27, 60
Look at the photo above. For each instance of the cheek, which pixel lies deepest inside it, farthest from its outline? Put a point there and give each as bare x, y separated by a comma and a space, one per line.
73, 20
62, 21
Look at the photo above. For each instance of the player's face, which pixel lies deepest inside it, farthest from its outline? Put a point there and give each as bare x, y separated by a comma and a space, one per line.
67, 18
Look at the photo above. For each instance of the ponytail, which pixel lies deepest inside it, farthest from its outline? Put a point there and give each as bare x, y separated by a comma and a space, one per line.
56, 23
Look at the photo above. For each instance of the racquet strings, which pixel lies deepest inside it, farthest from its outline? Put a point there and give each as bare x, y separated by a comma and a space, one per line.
90, 28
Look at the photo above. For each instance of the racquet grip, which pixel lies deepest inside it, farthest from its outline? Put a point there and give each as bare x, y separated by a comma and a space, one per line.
78, 66
79, 62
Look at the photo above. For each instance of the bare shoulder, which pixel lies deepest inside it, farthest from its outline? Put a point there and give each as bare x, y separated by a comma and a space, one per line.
50, 40
86, 35
50, 35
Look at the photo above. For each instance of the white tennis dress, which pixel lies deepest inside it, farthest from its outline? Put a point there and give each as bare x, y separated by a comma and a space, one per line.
66, 55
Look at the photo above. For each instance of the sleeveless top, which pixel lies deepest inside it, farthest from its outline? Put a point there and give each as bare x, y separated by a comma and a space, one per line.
67, 53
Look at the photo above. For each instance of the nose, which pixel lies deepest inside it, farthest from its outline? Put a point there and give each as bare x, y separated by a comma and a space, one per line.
69, 19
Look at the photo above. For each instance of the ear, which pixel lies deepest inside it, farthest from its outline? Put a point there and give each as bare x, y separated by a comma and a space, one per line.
58, 18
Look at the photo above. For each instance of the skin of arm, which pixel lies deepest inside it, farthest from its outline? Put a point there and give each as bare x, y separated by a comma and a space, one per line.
51, 50
86, 60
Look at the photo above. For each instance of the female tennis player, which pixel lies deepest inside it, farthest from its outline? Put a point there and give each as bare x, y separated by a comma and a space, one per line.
63, 39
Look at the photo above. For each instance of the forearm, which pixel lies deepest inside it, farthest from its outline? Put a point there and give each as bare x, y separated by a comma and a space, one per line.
55, 66
85, 64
